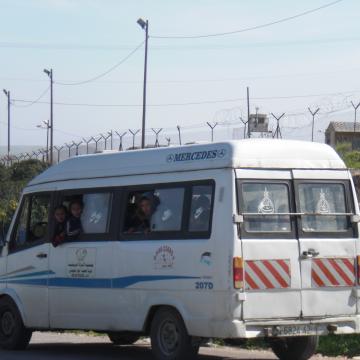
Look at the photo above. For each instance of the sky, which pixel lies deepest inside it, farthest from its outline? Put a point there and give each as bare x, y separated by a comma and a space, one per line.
310, 61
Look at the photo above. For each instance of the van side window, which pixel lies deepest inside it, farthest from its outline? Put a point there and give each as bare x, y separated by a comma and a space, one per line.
95, 216
32, 223
154, 210
21, 227
323, 205
39, 217
86, 213
260, 201
200, 211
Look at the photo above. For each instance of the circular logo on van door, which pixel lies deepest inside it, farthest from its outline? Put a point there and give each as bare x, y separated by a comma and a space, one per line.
164, 257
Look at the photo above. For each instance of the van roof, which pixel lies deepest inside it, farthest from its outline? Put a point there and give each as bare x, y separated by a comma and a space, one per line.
249, 153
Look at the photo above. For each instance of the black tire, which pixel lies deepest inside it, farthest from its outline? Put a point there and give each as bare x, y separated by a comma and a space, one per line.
123, 338
294, 348
13, 334
169, 337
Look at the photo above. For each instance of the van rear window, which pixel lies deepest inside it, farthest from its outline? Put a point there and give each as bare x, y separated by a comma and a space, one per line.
323, 205
265, 207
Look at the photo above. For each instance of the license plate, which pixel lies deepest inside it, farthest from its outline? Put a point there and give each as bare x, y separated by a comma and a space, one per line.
295, 330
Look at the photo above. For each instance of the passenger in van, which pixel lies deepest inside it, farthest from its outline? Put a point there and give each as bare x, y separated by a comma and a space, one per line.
60, 215
141, 220
73, 225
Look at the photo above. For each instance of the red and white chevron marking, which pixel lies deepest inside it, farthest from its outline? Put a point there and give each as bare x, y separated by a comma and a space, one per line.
267, 274
332, 272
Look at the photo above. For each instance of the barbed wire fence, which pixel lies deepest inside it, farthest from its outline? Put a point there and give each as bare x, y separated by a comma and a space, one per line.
229, 121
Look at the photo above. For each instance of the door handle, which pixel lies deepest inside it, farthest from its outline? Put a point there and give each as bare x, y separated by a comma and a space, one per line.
310, 253
41, 255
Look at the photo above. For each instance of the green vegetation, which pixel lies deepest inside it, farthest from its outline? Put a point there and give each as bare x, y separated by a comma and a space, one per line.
350, 157
331, 345
334, 345
12, 181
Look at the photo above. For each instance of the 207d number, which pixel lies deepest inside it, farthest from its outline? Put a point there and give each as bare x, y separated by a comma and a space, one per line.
204, 285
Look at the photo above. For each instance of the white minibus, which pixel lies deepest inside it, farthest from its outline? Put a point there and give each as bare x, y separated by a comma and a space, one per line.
243, 239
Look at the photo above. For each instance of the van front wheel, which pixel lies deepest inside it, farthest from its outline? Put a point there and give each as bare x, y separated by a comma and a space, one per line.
13, 334
294, 348
169, 337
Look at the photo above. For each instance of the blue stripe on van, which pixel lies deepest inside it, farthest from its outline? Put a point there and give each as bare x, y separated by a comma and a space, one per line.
117, 283
131, 280
78, 282
39, 281
38, 273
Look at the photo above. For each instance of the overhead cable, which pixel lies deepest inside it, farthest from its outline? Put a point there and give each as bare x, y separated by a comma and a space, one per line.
105, 72
204, 102
32, 102
248, 28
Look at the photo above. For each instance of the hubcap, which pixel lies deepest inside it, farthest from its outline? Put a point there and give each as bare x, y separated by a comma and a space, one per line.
168, 336
7, 323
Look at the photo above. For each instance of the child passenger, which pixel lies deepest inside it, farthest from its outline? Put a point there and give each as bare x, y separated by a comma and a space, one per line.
73, 225
60, 225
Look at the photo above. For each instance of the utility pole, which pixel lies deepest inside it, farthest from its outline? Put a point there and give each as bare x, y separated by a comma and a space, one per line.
248, 110
179, 131
156, 132
7, 94
278, 130
49, 73
355, 111
121, 139
212, 127
47, 127
145, 26
313, 121
133, 133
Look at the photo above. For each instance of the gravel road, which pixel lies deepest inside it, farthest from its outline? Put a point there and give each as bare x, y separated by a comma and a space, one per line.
56, 346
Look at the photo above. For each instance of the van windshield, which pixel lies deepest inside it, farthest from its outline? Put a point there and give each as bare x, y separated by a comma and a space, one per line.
323, 205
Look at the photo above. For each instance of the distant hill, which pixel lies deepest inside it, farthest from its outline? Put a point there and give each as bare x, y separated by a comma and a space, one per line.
18, 149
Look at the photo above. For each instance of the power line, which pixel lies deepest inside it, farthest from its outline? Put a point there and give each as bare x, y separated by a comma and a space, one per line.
105, 72
204, 102
252, 27
33, 101
171, 47
233, 79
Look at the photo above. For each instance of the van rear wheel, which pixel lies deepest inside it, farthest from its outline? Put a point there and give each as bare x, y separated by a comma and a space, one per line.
294, 348
123, 338
169, 337
13, 334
